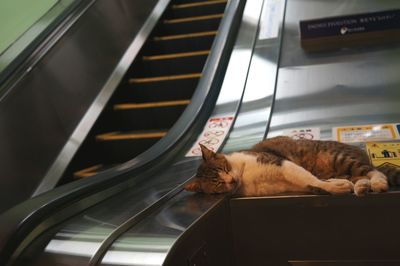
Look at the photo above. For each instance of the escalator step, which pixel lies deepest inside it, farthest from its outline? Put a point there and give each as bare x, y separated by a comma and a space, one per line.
196, 4
169, 90
88, 171
175, 55
165, 78
126, 106
167, 67
179, 45
195, 18
185, 36
130, 135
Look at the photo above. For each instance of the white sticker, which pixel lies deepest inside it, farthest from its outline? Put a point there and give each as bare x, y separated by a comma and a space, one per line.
361, 133
270, 19
303, 133
213, 134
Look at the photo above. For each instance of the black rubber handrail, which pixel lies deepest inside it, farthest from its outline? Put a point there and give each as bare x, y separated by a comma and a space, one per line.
19, 225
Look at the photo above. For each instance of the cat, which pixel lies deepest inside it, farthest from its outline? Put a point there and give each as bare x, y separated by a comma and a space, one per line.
282, 165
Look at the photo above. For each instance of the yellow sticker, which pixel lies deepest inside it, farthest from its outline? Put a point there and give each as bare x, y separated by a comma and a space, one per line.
381, 153
364, 133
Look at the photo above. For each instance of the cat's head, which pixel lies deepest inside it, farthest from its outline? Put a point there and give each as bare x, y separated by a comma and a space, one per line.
213, 175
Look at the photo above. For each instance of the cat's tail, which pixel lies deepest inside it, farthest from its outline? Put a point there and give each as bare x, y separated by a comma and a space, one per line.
392, 173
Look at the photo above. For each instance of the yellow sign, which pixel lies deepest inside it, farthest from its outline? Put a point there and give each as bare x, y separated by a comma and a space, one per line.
364, 133
381, 153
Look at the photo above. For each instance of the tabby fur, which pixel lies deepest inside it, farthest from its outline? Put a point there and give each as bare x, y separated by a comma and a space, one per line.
282, 165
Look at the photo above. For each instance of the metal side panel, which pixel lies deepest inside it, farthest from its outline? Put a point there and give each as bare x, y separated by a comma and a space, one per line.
352, 86
356, 85
40, 112
272, 231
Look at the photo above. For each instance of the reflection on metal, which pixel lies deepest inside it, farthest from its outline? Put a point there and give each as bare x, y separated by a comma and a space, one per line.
180, 212
255, 109
351, 86
107, 221
29, 38
168, 224
58, 167
309, 93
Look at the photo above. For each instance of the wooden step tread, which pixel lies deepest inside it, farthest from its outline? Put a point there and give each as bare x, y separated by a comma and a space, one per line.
196, 4
88, 171
165, 78
176, 55
127, 106
185, 36
195, 18
130, 135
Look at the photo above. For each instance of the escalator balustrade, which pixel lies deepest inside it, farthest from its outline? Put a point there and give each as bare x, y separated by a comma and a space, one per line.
155, 91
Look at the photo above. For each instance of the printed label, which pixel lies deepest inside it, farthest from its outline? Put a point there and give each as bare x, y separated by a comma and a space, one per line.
270, 19
384, 153
350, 24
303, 133
213, 135
364, 133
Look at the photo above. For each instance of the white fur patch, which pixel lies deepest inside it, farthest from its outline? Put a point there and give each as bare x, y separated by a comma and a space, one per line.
257, 179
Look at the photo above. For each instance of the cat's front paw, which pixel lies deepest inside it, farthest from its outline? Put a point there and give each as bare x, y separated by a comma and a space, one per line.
379, 184
362, 187
379, 181
338, 186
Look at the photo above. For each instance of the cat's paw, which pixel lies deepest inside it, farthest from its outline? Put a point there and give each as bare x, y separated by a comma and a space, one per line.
379, 182
338, 186
362, 187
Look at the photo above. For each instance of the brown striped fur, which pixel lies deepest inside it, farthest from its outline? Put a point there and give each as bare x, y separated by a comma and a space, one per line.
287, 165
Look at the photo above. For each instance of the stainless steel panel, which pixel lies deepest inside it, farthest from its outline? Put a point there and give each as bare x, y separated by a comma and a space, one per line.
348, 86
42, 110
93, 228
256, 106
192, 207
356, 85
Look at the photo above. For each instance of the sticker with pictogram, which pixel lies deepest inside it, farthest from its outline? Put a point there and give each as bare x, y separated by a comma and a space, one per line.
362, 133
384, 153
312, 133
213, 134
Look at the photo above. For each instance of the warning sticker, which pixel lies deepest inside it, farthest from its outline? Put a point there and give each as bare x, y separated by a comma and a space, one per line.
303, 133
213, 134
384, 153
364, 133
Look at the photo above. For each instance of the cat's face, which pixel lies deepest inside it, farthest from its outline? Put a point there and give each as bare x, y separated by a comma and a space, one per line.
212, 175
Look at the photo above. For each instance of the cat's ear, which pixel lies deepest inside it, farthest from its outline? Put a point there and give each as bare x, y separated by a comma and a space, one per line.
193, 185
207, 154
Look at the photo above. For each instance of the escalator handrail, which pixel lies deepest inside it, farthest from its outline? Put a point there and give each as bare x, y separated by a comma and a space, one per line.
18, 222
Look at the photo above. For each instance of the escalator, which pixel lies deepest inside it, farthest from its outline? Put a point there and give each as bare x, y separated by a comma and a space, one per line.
183, 228
22, 221
154, 92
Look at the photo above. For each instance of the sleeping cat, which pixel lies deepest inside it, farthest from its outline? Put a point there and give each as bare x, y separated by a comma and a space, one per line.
281, 165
